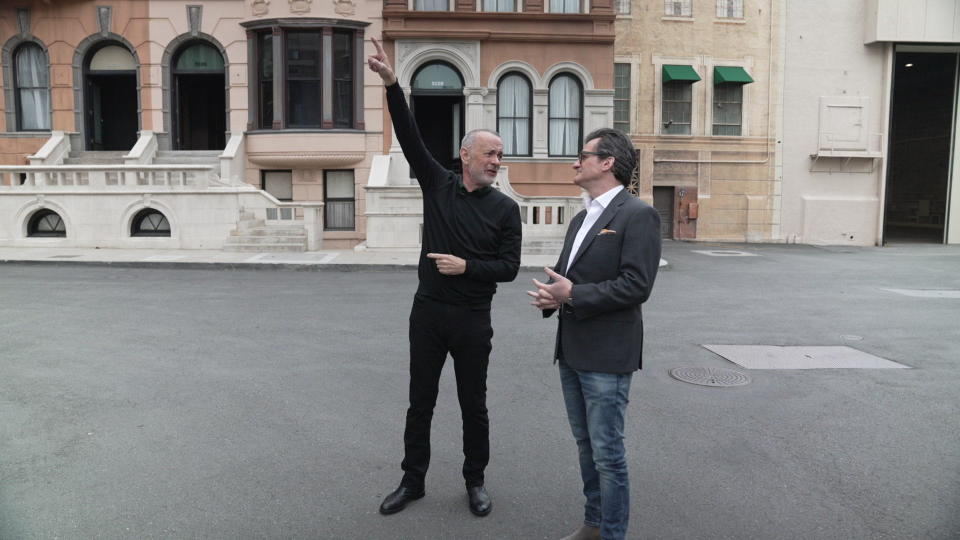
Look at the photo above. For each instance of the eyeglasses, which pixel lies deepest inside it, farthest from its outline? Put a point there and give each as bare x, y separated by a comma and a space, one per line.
583, 155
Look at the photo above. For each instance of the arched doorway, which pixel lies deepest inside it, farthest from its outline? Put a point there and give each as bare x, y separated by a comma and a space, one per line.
110, 90
436, 98
199, 98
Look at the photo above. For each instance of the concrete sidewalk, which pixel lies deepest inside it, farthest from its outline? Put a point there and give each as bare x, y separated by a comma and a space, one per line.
343, 260
206, 258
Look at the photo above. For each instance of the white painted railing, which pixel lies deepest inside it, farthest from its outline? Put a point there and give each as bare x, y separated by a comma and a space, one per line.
108, 177
233, 160
543, 218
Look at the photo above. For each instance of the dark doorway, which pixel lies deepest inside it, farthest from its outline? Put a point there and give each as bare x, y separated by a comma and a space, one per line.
201, 112
663, 202
440, 120
438, 108
111, 111
921, 127
199, 98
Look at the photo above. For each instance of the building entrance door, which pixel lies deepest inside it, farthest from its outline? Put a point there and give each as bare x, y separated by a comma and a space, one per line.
110, 90
200, 111
663, 202
921, 138
438, 107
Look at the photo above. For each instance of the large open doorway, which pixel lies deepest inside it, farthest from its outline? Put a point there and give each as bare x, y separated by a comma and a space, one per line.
199, 98
110, 96
921, 136
438, 107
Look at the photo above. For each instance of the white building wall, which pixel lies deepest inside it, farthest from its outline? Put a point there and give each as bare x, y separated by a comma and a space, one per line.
831, 200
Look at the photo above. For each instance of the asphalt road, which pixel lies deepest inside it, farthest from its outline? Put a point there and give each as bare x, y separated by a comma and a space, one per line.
184, 403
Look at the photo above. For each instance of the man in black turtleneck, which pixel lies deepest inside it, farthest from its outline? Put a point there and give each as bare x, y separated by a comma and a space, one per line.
471, 241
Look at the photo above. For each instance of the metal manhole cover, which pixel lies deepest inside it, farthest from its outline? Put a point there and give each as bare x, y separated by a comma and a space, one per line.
705, 376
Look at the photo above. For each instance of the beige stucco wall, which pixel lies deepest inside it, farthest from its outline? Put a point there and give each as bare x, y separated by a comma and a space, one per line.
738, 193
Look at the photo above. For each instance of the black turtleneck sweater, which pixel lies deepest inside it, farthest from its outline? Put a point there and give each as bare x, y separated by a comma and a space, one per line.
481, 226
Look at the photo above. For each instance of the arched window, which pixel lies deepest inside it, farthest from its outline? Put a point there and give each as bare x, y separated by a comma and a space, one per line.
514, 100
566, 115
149, 222
46, 223
32, 88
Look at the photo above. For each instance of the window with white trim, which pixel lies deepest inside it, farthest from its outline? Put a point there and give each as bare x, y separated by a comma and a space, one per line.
566, 115
514, 104
678, 8
623, 7
565, 6
500, 6
431, 5
730, 9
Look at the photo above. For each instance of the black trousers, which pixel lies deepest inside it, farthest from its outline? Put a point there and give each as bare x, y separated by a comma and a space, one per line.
435, 330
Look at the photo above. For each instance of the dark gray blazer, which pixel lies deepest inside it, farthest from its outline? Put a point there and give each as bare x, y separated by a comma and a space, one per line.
613, 273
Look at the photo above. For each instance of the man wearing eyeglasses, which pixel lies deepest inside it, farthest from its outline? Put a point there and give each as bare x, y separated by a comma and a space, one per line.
605, 272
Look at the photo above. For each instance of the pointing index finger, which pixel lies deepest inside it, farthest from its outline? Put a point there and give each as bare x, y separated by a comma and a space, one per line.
377, 45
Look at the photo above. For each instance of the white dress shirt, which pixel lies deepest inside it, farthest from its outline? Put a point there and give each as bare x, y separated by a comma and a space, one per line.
594, 207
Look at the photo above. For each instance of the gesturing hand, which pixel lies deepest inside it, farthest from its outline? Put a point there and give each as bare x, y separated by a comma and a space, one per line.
380, 64
550, 296
448, 265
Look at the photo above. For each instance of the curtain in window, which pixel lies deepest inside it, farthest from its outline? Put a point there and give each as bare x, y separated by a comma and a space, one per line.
431, 5
564, 6
564, 116
33, 88
513, 111
502, 6
339, 205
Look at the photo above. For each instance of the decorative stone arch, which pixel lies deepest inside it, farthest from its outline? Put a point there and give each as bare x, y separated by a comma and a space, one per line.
143, 203
78, 139
573, 68
9, 97
514, 66
23, 215
464, 56
169, 52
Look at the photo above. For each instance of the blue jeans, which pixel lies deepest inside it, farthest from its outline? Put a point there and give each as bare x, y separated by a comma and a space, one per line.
596, 403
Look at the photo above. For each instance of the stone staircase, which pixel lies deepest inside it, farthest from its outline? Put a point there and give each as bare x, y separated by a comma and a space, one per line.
100, 157
188, 157
258, 236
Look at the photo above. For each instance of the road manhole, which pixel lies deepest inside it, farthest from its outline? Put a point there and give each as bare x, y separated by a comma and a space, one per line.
705, 376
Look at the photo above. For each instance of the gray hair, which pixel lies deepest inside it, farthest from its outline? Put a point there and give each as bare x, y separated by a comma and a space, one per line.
613, 143
468, 139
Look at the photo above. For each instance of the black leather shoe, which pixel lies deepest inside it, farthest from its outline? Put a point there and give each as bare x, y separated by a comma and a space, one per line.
480, 503
399, 499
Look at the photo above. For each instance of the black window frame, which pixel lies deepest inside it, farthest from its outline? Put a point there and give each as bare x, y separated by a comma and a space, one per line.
137, 230
37, 217
334, 113
327, 200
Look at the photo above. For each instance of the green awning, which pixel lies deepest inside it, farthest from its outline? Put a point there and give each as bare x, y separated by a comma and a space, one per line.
679, 73
731, 75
